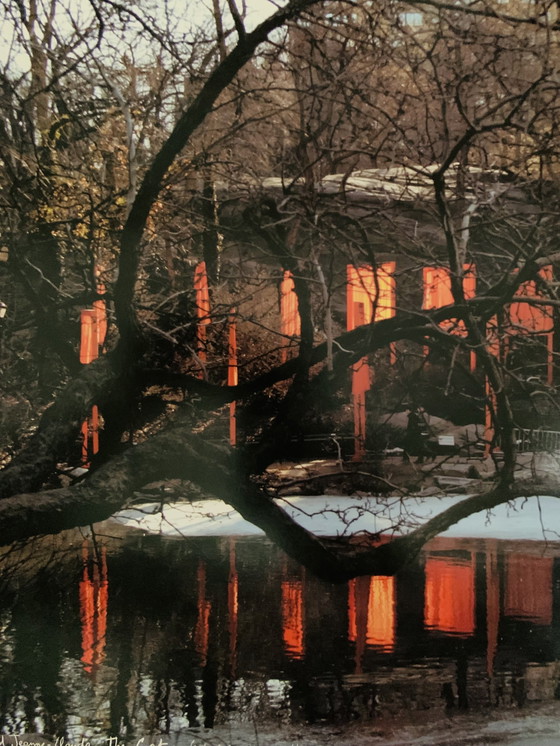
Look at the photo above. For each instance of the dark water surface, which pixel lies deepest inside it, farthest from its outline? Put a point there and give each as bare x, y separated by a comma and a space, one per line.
139, 634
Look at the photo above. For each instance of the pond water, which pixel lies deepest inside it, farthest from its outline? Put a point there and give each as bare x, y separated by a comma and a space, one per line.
127, 634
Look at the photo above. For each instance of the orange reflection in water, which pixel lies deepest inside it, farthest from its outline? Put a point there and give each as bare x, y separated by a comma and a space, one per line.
528, 592
232, 376
94, 595
292, 618
357, 587
492, 605
233, 607
371, 614
380, 629
204, 607
449, 598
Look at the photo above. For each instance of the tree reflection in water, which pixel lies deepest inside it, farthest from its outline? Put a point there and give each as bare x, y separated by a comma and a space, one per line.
143, 635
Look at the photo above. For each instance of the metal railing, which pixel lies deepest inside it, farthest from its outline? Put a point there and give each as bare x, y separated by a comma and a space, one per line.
537, 440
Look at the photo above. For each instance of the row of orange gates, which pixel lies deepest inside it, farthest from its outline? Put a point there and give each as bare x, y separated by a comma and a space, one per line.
370, 296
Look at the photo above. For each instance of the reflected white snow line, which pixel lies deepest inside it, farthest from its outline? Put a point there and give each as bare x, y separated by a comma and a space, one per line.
326, 515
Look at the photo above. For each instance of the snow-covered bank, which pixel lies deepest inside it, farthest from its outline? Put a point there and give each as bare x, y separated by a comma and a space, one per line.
326, 515
533, 726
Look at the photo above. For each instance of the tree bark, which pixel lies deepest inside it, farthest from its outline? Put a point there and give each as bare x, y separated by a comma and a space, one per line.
177, 453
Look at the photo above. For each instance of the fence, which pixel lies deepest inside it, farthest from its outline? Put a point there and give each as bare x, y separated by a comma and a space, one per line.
537, 440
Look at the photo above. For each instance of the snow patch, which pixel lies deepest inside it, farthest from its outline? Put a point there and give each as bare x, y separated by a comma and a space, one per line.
534, 518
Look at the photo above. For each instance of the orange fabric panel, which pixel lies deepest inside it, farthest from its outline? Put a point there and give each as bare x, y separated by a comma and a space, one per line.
360, 370
292, 618
536, 319
361, 377
88, 336
93, 329
437, 288
289, 311
449, 600
386, 299
202, 300
290, 321
358, 293
90, 436
101, 322
528, 592
359, 402
202, 293
374, 289
437, 291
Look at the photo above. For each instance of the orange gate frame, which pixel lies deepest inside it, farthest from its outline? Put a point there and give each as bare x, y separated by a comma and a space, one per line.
370, 296
232, 377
